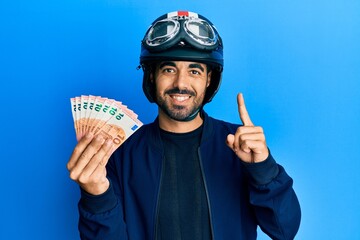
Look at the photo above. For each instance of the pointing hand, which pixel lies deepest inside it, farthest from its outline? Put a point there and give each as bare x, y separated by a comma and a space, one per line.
248, 142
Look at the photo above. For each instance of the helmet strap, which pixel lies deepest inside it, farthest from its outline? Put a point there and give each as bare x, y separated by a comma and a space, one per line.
192, 116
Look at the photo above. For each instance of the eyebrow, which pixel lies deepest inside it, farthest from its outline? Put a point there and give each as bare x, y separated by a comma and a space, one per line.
167, 63
196, 65
172, 64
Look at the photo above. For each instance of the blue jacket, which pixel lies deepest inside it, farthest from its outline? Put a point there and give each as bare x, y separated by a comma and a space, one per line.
240, 196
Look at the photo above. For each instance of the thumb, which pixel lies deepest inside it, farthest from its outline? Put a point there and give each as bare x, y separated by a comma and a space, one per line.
230, 139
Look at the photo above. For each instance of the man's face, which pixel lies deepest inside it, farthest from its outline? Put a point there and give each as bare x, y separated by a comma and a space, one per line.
180, 87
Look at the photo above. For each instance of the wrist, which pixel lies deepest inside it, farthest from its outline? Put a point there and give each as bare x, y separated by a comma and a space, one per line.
262, 173
96, 189
98, 203
261, 157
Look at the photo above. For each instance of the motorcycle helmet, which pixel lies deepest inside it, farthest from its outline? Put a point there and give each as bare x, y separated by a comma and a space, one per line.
182, 36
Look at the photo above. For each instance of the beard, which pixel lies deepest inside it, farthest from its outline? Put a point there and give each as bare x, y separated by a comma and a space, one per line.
180, 112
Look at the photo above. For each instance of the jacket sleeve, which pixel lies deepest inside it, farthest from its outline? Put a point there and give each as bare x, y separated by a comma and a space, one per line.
101, 217
275, 203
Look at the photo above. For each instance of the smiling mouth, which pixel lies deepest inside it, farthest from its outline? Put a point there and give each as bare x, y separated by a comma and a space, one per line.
180, 98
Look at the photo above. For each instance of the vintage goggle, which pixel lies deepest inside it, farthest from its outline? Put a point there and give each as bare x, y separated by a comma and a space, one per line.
169, 32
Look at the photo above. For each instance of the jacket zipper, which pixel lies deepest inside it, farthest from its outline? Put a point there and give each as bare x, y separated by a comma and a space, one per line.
207, 194
157, 200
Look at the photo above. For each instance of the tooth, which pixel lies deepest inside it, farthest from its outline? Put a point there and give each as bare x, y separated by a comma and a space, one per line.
180, 98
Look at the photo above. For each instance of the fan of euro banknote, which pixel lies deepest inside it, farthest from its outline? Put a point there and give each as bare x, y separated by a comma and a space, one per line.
108, 117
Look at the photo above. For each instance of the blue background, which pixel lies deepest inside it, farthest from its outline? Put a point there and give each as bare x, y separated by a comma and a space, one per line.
297, 63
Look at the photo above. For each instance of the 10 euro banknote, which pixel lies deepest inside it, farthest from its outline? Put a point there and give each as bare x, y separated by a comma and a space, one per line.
100, 115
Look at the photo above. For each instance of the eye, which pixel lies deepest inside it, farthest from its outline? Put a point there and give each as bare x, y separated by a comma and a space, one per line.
195, 72
168, 70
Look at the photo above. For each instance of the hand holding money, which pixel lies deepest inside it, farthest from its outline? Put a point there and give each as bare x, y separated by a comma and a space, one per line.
101, 126
87, 163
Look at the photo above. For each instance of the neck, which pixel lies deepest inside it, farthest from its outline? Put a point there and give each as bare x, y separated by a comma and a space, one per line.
168, 124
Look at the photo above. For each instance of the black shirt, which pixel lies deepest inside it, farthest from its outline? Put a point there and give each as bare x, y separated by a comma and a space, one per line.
183, 207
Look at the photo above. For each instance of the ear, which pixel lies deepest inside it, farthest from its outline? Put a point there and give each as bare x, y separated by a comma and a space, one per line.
208, 79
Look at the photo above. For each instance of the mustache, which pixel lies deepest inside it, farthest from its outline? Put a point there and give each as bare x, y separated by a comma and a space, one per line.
180, 91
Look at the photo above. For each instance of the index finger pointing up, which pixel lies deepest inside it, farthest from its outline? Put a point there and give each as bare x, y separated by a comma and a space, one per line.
244, 116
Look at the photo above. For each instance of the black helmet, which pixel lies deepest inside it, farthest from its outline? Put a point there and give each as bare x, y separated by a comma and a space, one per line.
182, 36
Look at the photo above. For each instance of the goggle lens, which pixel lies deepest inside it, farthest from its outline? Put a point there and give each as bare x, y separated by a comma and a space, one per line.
201, 31
165, 30
161, 32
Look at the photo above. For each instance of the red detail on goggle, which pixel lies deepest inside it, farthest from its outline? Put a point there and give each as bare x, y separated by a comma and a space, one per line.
183, 13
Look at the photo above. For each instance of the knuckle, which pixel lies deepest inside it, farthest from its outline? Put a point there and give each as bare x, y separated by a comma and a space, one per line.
239, 130
242, 138
83, 179
91, 147
244, 147
260, 129
99, 140
83, 156
95, 145
73, 175
246, 142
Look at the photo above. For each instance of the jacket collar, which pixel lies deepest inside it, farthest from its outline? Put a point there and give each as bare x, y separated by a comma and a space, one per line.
154, 133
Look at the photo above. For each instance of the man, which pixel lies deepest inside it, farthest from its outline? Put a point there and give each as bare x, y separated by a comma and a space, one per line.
186, 175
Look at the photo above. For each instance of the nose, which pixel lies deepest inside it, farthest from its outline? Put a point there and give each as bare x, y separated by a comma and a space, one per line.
181, 81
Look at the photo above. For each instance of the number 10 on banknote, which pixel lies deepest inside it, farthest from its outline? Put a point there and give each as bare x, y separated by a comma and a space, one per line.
100, 115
